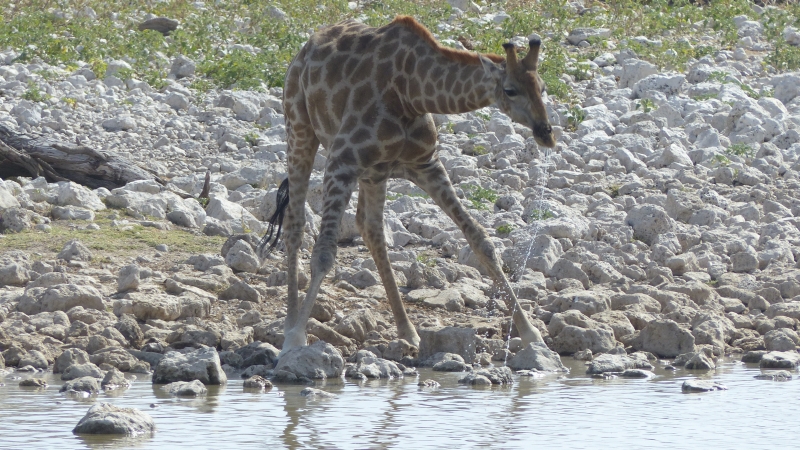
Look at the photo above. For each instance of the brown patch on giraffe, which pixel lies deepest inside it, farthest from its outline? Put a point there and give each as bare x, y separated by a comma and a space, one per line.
314, 75
460, 56
345, 42
388, 129
333, 69
384, 74
362, 96
368, 155
424, 134
413, 89
322, 52
456, 89
430, 89
441, 102
363, 43
339, 100
359, 136
350, 122
370, 115
363, 71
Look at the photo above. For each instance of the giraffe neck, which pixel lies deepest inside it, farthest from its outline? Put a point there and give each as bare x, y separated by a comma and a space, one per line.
443, 86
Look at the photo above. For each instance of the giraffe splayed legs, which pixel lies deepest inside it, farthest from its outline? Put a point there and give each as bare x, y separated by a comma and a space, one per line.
366, 95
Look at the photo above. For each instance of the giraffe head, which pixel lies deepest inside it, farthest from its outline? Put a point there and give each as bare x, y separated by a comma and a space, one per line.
520, 91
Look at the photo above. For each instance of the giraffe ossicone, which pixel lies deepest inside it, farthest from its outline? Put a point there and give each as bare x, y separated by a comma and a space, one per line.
366, 94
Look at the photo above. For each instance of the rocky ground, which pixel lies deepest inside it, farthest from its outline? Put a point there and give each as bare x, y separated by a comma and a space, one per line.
664, 225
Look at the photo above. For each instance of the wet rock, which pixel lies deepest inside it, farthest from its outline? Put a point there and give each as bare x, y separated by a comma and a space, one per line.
690, 386
33, 382
258, 353
780, 375
257, 382
193, 388
35, 359
664, 338
637, 373
90, 385
114, 379
460, 341
699, 361
536, 356
202, 364
399, 349
494, 375
319, 360
119, 358
371, 366
617, 363
75, 371
105, 418
430, 384
780, 360
753, 356
258, 369
316, 394
450, 365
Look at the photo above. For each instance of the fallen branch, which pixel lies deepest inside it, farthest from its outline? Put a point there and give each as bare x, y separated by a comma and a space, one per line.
23, 155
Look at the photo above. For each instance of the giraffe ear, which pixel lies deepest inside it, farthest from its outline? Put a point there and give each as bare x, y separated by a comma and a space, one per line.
492, 69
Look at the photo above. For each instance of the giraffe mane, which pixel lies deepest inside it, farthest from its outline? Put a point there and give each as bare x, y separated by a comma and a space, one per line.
452, 54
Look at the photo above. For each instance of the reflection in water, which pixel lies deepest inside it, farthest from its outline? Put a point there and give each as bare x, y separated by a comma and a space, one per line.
556, 411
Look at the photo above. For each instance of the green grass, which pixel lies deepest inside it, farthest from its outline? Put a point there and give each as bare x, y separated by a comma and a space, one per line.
741, 150
540, 214
481, 198
110, 240
34, 94
29, 26
505, 229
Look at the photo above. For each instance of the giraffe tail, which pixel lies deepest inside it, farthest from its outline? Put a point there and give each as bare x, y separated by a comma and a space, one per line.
281, 202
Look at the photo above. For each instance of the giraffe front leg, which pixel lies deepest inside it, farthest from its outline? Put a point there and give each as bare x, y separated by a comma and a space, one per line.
369, 219
432, 178
338, 187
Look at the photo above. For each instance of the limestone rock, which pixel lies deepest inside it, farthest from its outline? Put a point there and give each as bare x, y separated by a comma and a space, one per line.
105, 418
319, 360
202, 364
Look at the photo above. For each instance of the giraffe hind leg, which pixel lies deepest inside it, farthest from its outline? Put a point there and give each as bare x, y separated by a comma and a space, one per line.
369, 219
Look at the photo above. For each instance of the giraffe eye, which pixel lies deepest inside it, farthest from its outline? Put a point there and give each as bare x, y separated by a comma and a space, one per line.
510, 92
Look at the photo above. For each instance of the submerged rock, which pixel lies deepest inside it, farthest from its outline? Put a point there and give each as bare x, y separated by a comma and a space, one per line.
186, 389
316, 394
257, 382
105, 418
537, 356
780, 360
702, 386
487, 377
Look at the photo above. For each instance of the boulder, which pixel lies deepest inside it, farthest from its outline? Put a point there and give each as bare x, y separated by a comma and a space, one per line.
494, 375
257, 382
62, 297
81, 371
648, 222
664, 338
460, 341
357, 325
74, 250
370, 366
780, 360
690, 386
319, 360
193, 388
89, 385
536, 356
572, 332
69, 357
105, 418
202, 364
617, 363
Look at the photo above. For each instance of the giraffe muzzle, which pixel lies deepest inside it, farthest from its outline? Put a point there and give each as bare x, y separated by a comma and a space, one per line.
543, 134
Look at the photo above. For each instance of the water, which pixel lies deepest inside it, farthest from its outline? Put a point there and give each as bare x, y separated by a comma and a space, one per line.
558, 411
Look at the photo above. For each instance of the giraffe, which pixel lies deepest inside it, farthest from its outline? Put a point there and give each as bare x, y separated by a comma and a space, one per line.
366, 94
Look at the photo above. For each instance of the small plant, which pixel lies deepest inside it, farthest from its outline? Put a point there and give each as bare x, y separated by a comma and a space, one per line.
426, 260
646, 105
704, 97
450, 127
505, 229
99, 67
479, 150
540, 214
201, 85
741, 150
613, 190
34, 94
72, 102
575, 115
251, 138
720, 160
486, 117
479, 196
